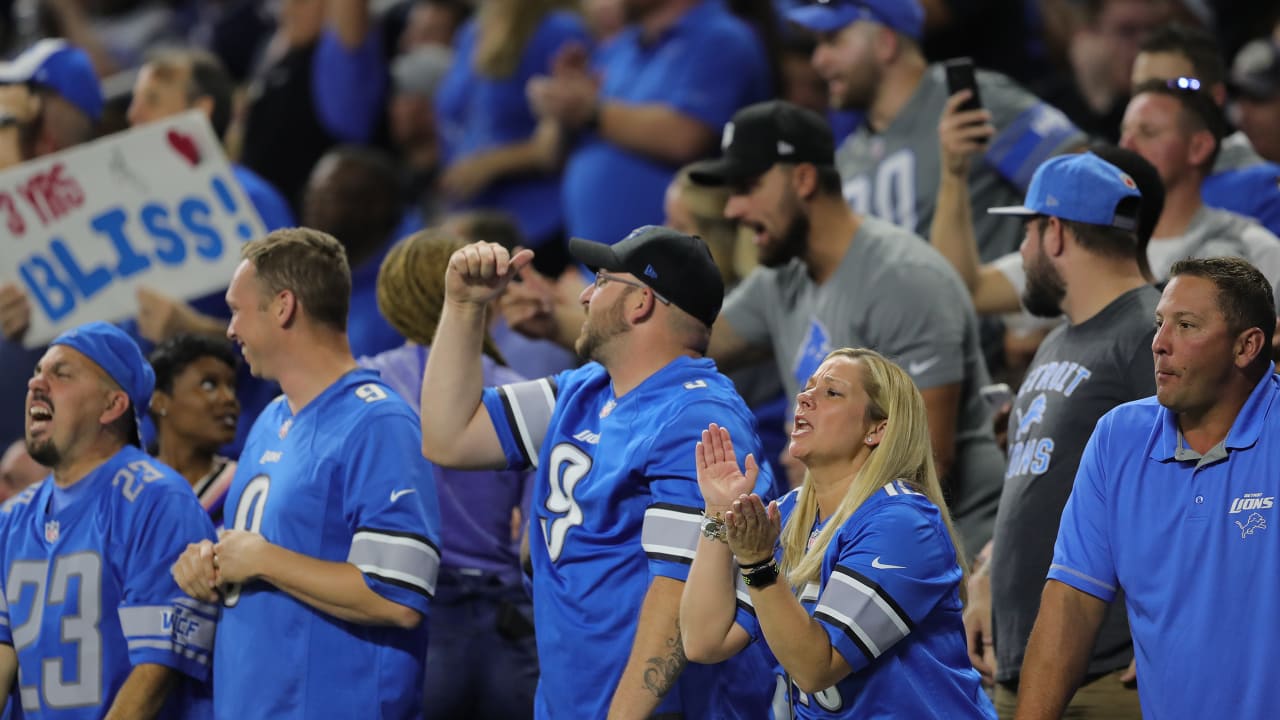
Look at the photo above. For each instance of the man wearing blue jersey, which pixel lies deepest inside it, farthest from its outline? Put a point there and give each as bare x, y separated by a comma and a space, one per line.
91, 624
332, 552
1174, 504
615, 512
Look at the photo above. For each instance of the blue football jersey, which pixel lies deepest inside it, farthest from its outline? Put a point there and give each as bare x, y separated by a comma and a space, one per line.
889, 599
87, 593
343, 480
615, 504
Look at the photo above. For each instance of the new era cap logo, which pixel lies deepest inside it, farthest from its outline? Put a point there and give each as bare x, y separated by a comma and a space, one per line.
785, 148
727, 138
1051, 201
1128, 181
648, 270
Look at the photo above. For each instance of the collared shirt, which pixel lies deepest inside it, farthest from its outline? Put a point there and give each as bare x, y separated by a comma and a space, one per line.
1189, 541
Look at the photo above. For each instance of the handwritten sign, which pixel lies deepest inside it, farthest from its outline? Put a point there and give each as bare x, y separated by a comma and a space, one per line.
156, 206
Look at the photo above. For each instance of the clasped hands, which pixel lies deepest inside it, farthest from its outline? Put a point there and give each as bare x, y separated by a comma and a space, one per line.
751, 527
205, 568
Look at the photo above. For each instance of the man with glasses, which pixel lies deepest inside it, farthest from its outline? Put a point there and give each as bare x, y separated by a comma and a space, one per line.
1242, 181
1176, 126
615, 513
834, 278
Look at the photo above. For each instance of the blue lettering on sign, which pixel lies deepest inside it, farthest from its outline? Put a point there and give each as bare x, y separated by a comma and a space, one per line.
59, 281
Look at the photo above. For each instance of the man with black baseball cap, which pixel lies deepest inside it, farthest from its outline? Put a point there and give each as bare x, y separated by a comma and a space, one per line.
615, 498
833, 278
1255, 83
111, 516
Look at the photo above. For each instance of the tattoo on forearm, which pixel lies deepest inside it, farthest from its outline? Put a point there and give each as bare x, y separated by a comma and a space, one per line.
660, 672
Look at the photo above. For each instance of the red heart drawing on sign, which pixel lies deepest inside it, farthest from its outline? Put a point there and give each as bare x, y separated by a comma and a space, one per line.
184, 146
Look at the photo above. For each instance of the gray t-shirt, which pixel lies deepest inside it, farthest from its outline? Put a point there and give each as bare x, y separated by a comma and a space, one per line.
894, 175
1218, 233
1078, 374
897, 295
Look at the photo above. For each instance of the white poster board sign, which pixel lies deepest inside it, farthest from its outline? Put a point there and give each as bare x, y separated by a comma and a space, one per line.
155, 206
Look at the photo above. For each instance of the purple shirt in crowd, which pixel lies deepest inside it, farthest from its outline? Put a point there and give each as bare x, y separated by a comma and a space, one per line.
475, 505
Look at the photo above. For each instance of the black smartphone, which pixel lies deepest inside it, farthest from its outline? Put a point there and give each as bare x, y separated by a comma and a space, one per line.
960, 77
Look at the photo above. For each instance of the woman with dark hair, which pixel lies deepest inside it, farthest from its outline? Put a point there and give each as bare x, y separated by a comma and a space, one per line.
195, 411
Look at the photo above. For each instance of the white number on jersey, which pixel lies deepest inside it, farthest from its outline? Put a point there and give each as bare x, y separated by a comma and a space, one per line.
828, 699
134, 477
895, 191
568, 465
253, 501
371, 393
80, 630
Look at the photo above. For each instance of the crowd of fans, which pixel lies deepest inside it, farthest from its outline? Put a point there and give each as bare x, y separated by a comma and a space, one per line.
979, 279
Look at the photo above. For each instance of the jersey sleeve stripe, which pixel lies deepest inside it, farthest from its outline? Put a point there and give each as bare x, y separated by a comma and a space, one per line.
206, 610
809, 593
1087, 578
399, 534
529, 407
744, 598
864, 608
859, 641
399, 579
201, 656
396, 557
671, 532
174, 622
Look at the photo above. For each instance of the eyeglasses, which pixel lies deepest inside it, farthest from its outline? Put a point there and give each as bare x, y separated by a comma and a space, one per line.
603, 277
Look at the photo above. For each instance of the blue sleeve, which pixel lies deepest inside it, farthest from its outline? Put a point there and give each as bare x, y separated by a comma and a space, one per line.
521, 414
891, 571
718, 77
1028, 130
673, 521
268, 201
159, 622
1082, 555
390, 505
1253, 191
349, 86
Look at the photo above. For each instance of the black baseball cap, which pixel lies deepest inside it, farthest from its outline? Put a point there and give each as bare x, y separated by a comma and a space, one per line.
762, 135
678, 267
1255, 73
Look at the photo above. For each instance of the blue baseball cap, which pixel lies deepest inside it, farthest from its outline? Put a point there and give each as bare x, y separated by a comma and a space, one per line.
119, 357
824, 16
63, 68
1081, 187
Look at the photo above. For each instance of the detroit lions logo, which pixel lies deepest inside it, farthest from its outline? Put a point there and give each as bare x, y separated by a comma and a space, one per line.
814, 349
1254, 522
1032, 415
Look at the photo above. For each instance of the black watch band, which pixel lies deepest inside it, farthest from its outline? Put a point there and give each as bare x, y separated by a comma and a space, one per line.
761, 576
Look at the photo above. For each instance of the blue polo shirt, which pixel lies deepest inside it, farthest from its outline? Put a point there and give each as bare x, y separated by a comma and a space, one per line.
706, 66
1195, 546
